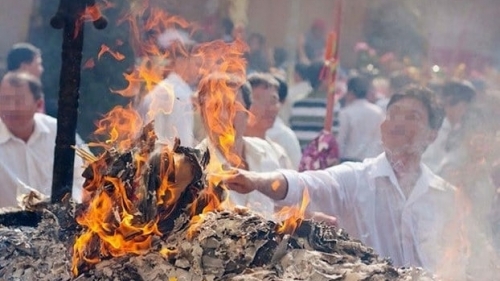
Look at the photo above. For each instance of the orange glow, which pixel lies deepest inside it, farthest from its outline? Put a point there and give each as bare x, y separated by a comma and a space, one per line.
196, 222
90, 63
275, 185
93, 12
294, 215
105, 4
456, 249
114, 54
168, 252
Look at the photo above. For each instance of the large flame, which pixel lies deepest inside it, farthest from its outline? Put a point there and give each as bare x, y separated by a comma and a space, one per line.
111, 221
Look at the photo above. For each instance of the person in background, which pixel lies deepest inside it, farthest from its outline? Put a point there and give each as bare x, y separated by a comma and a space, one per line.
227, 27
462, 156
359, 129
265, 108
393, 202
447, 152
281, 133
299, 90
253, 154
27, 140
397, 82
257, 57
280, 60
315, 39
308, 114
170, 103
25, 57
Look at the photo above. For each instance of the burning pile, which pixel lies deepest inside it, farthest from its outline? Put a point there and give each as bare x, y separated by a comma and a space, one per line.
136, 193
153, 215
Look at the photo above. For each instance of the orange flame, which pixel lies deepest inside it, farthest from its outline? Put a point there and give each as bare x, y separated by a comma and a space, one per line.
105, 49
91, 13
294, 215
110, 220
122, 124
114, 225
217, 95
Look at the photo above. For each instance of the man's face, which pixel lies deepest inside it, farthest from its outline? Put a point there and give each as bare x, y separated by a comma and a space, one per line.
34, 68
406, 127
265, 106
17, 105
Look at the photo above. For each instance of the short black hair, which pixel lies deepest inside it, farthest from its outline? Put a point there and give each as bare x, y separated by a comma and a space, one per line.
359, 86
282, 88
227, 25
21, 53
246, 92
301, 69
428, 98
314, 73
454, 92
262, 78
280, 56
17, 79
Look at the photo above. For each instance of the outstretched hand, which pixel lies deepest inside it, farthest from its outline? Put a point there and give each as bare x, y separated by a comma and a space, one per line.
239, 180
272, 184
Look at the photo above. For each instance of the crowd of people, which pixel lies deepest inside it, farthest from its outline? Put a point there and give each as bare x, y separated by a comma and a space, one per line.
417, 156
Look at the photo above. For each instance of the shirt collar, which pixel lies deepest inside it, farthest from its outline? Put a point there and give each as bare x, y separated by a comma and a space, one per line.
40, 128
382, 168
5, 134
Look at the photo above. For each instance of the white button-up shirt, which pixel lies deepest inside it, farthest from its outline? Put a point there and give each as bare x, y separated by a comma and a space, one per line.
369, 203
359, 130
31, 163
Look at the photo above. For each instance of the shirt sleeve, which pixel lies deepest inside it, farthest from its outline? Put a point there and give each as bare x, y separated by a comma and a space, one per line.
329, 190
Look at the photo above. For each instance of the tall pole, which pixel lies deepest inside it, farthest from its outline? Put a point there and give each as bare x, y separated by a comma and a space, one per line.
69, 17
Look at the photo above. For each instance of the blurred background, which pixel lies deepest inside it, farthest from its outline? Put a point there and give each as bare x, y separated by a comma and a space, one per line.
445, 33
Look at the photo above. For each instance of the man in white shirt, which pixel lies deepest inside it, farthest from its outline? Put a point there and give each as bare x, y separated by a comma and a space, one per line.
359, 129
393, 202
27, 141
249, 153
24, 57
265, 108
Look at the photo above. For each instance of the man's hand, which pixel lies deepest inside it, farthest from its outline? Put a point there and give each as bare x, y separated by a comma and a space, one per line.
240, 181
272, 184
